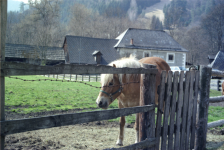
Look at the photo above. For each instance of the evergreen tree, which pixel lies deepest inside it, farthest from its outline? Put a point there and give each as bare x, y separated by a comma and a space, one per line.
209, 5
176, 14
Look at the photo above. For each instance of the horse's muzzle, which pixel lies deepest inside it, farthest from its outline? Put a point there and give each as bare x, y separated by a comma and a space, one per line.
103, 104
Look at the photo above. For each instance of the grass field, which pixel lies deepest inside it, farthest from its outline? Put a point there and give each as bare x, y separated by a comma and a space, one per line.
26, 97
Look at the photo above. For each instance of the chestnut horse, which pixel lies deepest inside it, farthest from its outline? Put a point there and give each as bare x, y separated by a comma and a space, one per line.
128, 95
223, 88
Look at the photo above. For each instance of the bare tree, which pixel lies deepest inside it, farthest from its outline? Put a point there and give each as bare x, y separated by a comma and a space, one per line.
213, 24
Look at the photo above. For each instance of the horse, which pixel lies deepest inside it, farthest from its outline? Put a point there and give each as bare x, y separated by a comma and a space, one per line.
128, 95
223, 88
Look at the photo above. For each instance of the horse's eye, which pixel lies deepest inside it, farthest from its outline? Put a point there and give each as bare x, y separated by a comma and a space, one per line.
111, 83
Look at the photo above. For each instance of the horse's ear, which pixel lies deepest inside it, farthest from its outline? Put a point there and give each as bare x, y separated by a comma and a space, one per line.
114, 65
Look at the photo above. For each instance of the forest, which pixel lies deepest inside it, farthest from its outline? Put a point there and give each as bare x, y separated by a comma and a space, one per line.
197, 25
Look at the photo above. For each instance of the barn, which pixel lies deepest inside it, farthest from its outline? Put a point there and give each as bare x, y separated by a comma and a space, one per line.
86, 50
34, 54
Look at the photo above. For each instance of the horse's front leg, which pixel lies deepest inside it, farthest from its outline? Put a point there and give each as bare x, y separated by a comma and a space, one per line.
121, 133
122, 123
137, 128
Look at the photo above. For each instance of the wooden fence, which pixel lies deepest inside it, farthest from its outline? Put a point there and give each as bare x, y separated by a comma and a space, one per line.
216, 100
177, 105
23, 125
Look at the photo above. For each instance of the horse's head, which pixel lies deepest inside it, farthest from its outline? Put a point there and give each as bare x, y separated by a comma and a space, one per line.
111, 89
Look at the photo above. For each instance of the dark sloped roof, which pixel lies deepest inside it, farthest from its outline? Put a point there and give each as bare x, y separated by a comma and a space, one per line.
80, 49
148, 39
30, 51
218, 62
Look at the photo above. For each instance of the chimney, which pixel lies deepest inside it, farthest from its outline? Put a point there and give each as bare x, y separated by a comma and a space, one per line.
132, 42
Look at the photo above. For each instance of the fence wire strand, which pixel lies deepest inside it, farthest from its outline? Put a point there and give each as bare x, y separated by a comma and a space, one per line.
63, 80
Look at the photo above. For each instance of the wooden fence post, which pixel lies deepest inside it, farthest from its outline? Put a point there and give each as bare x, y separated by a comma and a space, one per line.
70, 77
205, 77
147, 97
96, 78
76, 77
3, 20
89, 78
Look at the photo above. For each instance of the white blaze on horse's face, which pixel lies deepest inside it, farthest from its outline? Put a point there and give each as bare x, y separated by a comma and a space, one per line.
108, 93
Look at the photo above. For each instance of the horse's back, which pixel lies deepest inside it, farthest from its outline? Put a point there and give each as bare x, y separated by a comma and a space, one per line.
158, 62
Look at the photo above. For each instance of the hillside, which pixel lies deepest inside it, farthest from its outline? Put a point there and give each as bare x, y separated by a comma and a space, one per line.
156, 10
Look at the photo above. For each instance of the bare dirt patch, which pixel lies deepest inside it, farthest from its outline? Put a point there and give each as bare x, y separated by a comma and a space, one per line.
92, 136
89, 136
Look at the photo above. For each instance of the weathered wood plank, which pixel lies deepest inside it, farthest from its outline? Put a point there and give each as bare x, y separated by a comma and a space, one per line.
205, 77
140, 145
185, 108
13, 68
215, 123
166, 111
144, 96
160, 108
3, 21
216, 99
192, 145
151, 117
172, 110
147, 96
23, 125
190, 108
179, 111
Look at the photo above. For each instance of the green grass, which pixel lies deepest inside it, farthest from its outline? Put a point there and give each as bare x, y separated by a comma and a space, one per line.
215, 112
214, 93
26, 97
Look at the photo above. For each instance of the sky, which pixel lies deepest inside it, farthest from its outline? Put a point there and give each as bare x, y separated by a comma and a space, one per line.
13, 5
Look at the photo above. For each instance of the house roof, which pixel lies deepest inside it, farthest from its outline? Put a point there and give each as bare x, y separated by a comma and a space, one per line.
218, 61
148, 39
81, 49
30, 51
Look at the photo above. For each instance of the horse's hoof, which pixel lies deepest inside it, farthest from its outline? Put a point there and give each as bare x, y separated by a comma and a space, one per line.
119, 143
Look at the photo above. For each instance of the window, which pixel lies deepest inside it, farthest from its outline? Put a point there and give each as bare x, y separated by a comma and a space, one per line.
170, 57
146, 54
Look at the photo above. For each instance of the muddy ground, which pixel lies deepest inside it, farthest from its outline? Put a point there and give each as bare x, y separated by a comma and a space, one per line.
88, 136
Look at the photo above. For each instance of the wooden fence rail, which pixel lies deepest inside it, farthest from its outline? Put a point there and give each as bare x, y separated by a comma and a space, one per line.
218, 73
23, 125
14, 68
216, 99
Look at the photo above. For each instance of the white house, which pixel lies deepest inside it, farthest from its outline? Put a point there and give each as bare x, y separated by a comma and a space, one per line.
151, 43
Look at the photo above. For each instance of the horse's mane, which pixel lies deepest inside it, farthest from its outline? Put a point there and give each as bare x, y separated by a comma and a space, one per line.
130, 62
